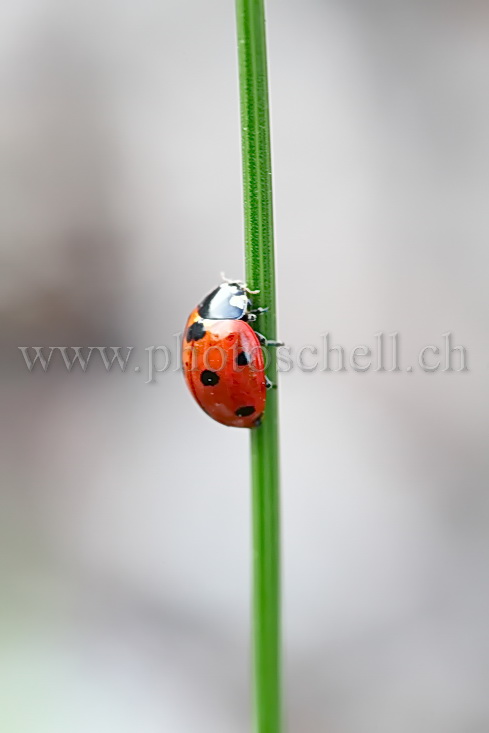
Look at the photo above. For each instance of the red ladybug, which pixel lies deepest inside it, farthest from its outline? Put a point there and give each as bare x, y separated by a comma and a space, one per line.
222, 357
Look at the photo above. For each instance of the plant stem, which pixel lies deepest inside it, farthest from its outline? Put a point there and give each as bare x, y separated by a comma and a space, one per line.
260, 274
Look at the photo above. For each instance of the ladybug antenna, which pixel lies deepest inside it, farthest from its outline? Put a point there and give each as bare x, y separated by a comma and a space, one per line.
240, 283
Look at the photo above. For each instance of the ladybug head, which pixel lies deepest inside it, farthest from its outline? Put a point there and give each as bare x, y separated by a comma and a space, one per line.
228, 301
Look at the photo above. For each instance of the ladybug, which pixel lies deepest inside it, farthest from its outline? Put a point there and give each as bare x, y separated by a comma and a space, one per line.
223, 359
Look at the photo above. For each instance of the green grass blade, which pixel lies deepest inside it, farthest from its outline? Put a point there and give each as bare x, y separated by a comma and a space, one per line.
260, 274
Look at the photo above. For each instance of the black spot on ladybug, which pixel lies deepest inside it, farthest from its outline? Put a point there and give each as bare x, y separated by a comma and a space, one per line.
196, 331
208, 378
242, 359
258, 421
245, 411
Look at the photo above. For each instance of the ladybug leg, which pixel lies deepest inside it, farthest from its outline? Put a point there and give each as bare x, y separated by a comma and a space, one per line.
253, 314
269, 384
258, 311
267, 342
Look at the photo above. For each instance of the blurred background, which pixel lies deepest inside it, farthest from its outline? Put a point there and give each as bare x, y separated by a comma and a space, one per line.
124, 510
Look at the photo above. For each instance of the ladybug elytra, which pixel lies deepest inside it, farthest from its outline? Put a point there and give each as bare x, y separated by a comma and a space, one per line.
222, 357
